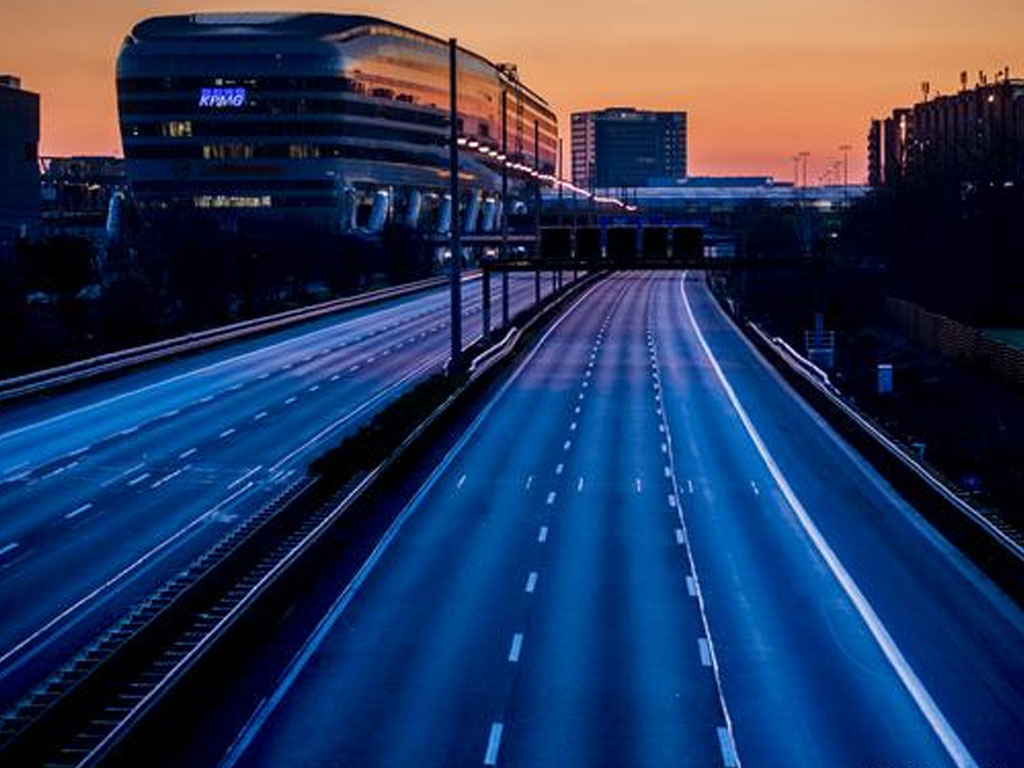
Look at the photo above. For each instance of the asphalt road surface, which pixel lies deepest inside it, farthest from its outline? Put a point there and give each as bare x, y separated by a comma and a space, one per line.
646, 551
108, 488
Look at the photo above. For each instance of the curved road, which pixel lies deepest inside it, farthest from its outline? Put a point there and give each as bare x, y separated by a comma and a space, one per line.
108, 488
647, 551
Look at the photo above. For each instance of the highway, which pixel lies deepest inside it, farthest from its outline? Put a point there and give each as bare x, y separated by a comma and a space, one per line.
646, 551
108, 488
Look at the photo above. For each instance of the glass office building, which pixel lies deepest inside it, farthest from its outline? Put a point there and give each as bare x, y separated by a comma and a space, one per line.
334, 118
624, 147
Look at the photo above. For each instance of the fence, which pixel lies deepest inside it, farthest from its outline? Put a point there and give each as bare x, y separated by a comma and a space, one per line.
957, 341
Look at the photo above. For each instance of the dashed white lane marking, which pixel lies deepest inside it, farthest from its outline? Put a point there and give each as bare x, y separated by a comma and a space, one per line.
531, 582
579, 485
551, 498
754, 488
689, 485
9, 548
639, 485
559, 469
680, 536
691, 586
124, 474
60, 470
335, 377
542, 534
567, 445
462, 482
189, 452
76, 512
664, 448
245, 476
529, 481
354, 368
314, 388
572, 427
579, 396
139, 479
577, 409
290, 400
493, 744
517, 647
15, 468
729, 758
169, 414
260, 415
78, 451
668, 472
228, 432
705, 651
672, 500
206, 399
171, 476
263, 376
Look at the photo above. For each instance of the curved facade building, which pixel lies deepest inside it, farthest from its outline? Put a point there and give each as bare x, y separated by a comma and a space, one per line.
337, 119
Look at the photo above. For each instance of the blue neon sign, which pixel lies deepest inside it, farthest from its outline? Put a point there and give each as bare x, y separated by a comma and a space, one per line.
222, 98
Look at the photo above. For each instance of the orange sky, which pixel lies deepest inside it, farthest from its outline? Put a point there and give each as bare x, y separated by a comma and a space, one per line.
761, 79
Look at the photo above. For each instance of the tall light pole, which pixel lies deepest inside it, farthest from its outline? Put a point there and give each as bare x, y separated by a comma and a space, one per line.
504, 205
455, 266
536, 208
845, 149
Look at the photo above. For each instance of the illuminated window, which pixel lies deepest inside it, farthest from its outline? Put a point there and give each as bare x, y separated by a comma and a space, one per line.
227, 152
231, 201
178, 129
303, 151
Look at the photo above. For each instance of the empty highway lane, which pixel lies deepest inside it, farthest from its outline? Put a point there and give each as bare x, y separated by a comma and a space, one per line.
106, 489
647, 551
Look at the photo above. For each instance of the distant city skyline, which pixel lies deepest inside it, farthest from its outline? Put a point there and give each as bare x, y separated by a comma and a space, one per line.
760, 82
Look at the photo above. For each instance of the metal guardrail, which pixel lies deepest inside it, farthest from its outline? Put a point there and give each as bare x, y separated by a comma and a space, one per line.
81, 714
819, 380
71, 373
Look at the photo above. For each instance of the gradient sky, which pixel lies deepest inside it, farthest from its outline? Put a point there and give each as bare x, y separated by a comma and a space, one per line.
761, 79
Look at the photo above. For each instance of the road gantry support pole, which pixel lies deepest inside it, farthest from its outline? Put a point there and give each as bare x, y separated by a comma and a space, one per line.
536, 208
455, 262
504, 207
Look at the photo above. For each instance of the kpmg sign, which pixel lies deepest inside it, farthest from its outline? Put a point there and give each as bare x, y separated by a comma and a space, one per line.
222, 98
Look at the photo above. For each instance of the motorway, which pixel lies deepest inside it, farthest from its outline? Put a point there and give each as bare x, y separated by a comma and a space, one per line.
108, 488
647, 551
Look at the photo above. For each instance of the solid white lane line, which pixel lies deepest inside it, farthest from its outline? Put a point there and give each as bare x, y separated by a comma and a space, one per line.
531, 582
462, 481
705, 651
76, 512
260, 415
942, 728
551, 498
542, 534
246, 476
189, 452
725, 743
79, 451
14, 468
559, 468
9, 548
228, 432
680, 536
493, 744
517, 647
139, 479
691, 586
169, 414
129, 430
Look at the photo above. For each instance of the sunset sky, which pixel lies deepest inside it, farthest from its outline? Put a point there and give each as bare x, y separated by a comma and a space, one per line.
761, 80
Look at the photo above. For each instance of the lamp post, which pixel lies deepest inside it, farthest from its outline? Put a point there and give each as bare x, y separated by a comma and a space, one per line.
455, 266
504, 205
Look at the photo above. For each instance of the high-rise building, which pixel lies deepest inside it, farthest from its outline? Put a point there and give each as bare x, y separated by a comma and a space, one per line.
975, 133
626, 147
19, 164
